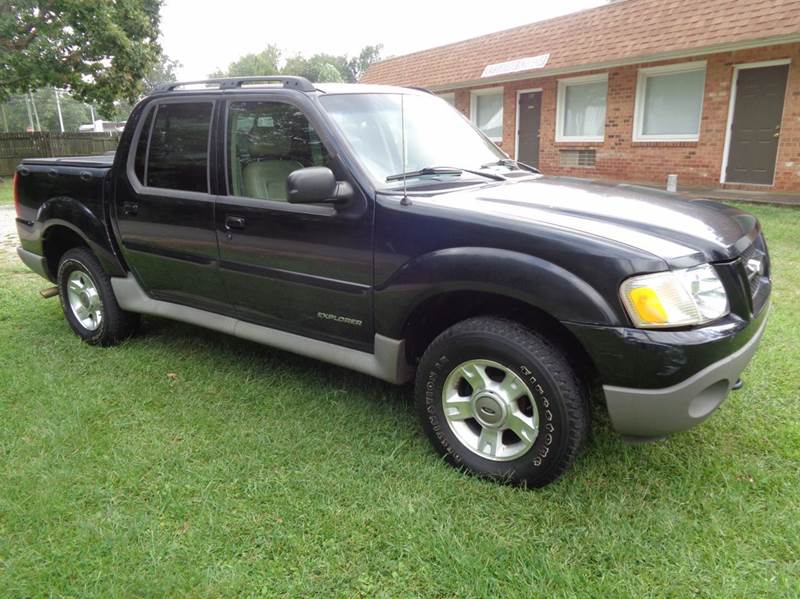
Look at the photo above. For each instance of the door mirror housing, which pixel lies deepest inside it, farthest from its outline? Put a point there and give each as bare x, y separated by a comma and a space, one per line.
316, 185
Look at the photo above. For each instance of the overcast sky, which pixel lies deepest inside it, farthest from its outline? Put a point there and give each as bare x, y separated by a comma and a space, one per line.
205, 36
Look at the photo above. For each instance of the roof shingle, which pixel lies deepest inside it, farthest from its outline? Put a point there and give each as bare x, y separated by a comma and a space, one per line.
622, 30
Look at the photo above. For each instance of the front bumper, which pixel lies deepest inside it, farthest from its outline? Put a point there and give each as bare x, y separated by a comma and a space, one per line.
646, 413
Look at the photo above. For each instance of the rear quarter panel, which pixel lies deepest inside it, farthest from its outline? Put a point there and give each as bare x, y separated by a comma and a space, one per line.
70, 196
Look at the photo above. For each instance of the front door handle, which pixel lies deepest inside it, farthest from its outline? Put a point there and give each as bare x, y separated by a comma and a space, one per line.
234, 222
130, 208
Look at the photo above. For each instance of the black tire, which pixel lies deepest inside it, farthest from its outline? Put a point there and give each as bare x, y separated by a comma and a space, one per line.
115, 323
560, 397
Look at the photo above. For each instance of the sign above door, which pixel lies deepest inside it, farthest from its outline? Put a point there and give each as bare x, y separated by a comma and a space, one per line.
529, 63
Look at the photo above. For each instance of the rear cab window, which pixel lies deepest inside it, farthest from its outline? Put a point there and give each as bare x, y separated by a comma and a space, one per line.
172, 149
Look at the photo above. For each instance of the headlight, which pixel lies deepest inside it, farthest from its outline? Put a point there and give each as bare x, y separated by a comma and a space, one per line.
675, 298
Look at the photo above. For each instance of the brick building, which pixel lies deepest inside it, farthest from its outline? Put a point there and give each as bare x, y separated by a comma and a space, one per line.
634, 90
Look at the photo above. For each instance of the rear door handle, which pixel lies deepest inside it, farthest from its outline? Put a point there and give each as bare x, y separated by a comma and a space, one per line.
130, 208
234, 222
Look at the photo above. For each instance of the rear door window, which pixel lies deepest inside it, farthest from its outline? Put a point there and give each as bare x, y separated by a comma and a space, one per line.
177, 156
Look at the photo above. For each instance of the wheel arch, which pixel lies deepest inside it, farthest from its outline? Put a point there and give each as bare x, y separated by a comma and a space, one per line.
66, 223
437, 289
57, 240
437, 313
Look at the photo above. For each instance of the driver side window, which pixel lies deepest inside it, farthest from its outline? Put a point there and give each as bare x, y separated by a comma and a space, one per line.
266, 142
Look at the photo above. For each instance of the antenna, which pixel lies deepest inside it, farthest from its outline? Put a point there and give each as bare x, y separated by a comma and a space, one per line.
405, 201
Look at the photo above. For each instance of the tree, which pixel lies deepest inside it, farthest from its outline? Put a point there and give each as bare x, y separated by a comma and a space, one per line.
16, 114
359, 65
319, 67
263, 63
163, 71
316, 68
329, 73
99, 50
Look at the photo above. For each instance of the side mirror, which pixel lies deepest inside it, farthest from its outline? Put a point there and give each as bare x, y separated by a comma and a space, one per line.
316, 185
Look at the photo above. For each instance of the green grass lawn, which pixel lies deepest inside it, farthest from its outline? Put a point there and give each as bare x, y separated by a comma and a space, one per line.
6, 191
190, 464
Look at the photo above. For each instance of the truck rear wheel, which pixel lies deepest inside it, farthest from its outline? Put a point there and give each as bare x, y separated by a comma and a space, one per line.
88, 300
501, 401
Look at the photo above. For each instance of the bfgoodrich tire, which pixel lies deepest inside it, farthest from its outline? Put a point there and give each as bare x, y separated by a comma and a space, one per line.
501, 401
88, 300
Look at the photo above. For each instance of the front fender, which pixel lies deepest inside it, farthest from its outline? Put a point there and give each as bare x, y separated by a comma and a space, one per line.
529, 279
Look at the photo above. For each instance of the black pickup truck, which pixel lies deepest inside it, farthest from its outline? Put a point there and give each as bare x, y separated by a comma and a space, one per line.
375, 228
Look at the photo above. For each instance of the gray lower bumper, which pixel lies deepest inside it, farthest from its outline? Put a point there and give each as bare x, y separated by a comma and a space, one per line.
33, 261
642, 413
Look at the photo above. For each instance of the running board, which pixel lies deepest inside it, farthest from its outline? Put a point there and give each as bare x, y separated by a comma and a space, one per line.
388, 363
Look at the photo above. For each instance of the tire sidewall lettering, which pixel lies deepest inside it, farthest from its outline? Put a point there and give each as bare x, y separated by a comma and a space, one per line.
548, 429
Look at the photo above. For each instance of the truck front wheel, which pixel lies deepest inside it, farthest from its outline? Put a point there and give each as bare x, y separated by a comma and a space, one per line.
501, 401
88, 300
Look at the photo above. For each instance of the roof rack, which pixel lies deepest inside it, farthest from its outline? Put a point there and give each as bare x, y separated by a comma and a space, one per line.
290, 82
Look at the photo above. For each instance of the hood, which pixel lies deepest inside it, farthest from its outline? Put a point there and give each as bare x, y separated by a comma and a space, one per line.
677, 230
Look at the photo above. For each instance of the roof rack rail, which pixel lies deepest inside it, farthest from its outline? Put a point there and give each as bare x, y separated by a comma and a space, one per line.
289, 81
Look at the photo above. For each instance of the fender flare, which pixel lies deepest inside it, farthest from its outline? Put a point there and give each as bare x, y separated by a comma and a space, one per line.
534, 281
72, 214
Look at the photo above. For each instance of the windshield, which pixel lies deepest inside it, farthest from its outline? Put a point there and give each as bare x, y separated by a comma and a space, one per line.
436, 135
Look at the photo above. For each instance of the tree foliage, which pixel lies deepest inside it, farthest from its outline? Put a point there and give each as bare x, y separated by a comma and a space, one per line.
316, 68
17, 112
263, 63
319, 67
163, 71
359, 65
99, 50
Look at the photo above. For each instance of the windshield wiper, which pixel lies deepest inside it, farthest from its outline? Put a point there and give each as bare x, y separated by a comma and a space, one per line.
443, 170
510, 163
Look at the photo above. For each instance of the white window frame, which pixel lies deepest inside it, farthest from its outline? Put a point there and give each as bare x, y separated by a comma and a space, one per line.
641, 92
473, 107
449, 97
563, 84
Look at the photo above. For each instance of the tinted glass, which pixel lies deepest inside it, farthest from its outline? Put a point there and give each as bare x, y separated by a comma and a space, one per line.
178, 156
141, 147
266, 142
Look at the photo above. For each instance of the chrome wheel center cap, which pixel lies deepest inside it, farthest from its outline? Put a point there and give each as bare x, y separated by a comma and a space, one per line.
490, 411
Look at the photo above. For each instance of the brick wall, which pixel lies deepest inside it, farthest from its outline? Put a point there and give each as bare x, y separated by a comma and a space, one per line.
697, 164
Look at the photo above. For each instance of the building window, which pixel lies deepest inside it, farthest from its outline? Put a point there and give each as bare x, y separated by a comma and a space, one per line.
450, 98
581, 108
669, 102
486, 111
